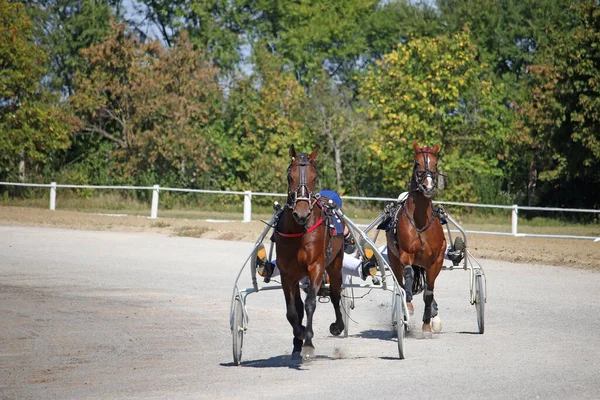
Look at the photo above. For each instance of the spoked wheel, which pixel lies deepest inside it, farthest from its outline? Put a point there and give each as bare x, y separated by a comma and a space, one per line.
400, 327
238, 330
345, 305
480, 302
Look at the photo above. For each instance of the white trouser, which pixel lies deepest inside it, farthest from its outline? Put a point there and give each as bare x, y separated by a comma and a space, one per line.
352, 266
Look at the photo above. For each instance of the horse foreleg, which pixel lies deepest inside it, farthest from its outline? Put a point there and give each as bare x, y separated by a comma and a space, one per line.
335, 286
298, 341
408, 276
315, 278
431, 308
293, 301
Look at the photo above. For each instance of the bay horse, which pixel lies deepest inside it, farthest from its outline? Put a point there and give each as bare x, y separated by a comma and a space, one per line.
416, 241
306, 247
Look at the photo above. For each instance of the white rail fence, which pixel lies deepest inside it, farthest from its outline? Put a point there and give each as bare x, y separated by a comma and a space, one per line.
247, 216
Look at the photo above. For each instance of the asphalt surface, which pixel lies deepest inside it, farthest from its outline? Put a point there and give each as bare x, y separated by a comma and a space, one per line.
105, 315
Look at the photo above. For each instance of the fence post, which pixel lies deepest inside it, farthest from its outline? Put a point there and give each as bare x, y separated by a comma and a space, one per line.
154, 211
247, 206
515, 218
53, 196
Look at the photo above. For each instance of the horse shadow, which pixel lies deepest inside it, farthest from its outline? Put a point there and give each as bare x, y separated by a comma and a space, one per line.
282, 361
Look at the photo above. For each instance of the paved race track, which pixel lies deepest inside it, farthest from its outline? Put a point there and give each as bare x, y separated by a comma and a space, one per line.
104, 315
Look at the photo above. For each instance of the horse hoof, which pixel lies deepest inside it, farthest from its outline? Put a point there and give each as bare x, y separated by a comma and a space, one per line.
308, 352
335, 329
427, 331
296, 355
411, 308
436, 324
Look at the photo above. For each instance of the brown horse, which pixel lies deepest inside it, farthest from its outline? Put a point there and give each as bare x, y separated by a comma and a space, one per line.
305, 247
417, 243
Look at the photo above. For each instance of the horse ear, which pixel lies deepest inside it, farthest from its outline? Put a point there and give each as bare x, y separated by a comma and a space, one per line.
292, 152
416, 146
313, 155
436, 148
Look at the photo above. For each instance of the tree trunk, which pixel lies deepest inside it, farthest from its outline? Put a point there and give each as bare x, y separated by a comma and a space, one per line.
22, 167
338, 165
531, 184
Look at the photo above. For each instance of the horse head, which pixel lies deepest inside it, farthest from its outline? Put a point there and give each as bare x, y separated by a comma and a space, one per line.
425, 170
302, 177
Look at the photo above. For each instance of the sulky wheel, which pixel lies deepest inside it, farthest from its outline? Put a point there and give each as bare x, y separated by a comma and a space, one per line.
480, 302
238, 330
400, 327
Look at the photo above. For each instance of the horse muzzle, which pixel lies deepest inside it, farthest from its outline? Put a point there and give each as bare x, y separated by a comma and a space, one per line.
428, 192
302, 211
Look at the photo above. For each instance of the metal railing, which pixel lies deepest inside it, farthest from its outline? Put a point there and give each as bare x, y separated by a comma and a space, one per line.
247, 214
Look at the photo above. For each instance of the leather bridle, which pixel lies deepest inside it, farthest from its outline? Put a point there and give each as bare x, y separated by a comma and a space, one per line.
302, 192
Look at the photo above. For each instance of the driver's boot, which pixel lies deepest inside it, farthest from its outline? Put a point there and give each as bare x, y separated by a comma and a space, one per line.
457, 253
264, 267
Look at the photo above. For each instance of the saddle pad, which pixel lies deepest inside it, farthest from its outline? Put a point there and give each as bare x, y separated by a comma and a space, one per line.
336, 225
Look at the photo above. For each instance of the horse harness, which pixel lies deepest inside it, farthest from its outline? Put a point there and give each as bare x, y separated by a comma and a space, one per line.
327, 216
401, 208
303, 193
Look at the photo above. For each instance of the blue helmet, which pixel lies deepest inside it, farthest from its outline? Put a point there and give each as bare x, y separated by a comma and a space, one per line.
331, 194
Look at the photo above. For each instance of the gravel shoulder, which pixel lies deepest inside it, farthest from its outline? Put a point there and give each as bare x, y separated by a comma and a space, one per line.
560, 252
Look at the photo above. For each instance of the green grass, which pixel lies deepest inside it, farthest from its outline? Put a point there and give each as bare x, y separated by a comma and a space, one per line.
202, 206
190, 231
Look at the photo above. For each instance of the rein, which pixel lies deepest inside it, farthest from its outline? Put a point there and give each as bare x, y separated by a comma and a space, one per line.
306, 231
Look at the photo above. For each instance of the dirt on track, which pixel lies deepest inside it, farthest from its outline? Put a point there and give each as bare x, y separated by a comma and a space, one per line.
560, 252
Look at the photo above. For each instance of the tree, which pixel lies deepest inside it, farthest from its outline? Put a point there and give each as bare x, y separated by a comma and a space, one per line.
511, 35
64, 28
157, 106
436, 90
337, 37
32, 126
563, 119
213, 25
265, 115
337, 125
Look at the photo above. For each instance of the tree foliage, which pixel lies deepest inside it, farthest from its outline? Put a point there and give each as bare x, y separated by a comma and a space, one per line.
64, 27
264, 116
32, 126
157, 106
563, 118
436, 90
211, 93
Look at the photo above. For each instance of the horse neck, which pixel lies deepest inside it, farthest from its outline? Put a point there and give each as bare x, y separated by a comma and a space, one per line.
419, 205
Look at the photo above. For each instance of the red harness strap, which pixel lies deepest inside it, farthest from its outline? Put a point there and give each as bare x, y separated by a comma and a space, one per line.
309, 230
